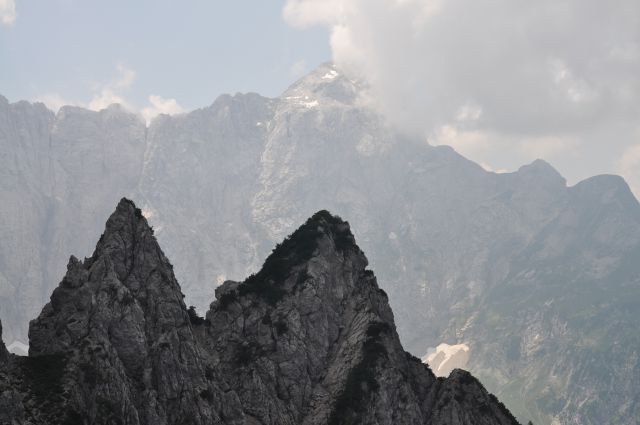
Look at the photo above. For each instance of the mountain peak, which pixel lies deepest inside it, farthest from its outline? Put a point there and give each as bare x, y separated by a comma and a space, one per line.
607, 189
314, 323
541, 172
119, 317
538, 166
126, 232
322, 237
327, 224
324, 85
127, 207
127, 266
302, 244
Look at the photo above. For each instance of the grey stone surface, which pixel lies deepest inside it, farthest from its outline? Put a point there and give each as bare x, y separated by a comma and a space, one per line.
60, 175
310, 339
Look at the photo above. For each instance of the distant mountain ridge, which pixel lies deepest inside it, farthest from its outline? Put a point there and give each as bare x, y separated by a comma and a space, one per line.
310, 339
539, 279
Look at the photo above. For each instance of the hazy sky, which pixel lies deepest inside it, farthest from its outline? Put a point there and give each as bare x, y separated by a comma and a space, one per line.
84, 51
502, 81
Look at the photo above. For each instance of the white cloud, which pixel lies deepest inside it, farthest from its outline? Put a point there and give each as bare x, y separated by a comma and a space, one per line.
111, 92
530, 68
54, 101
487, 167
526, 77
7, 12
104, 98
159, 105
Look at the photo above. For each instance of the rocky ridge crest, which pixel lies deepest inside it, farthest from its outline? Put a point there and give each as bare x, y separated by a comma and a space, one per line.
309, 339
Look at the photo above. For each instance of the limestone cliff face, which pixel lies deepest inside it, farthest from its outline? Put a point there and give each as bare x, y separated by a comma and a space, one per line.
309, 339
539, 279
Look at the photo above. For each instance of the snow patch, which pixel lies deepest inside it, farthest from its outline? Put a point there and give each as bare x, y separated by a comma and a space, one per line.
18, 348
330, 75
311, 104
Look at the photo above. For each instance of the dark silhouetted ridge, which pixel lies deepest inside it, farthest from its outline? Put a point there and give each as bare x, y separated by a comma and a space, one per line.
295, 250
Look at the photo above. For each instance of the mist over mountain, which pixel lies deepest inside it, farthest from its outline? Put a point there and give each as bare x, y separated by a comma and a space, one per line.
538, 279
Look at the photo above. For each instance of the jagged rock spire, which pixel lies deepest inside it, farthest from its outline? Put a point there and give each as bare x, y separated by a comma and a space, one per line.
121, 314
127, 265
313, 325
309, 339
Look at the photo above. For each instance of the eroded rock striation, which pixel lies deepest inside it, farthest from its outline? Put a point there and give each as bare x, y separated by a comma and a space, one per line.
309, 339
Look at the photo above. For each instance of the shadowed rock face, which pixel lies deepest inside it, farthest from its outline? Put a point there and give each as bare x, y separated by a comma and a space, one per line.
3, 349
310, 339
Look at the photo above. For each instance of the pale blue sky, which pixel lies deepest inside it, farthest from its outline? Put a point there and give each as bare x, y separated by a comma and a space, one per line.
189, 50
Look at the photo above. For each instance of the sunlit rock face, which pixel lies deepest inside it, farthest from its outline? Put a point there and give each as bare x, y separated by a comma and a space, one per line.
446, 358
535, 276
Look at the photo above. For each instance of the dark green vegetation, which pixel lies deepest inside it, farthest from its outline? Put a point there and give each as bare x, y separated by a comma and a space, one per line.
227, 299
361, 381
295, 250
194, 318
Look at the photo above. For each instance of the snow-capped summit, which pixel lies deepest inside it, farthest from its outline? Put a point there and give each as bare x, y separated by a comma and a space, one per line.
326, 85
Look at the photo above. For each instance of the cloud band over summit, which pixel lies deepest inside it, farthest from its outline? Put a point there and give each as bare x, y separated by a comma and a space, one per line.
502, 81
